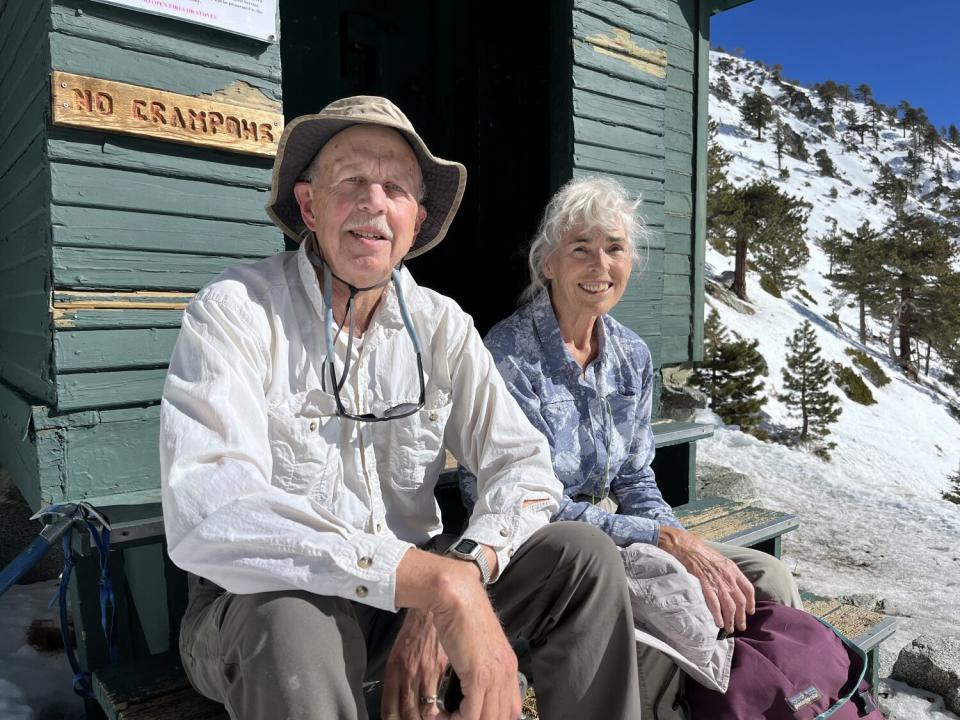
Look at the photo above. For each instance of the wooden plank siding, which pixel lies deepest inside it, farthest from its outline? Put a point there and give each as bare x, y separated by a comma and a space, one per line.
620, 80
24, 195
104, 238
135, 215
679, 194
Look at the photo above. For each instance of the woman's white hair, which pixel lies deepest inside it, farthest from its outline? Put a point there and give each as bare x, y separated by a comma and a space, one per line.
586, 202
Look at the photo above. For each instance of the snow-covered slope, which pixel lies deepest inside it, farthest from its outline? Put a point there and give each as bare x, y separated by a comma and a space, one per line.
873, 519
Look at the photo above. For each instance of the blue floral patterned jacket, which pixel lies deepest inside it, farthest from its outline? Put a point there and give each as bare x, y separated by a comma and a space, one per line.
597, 421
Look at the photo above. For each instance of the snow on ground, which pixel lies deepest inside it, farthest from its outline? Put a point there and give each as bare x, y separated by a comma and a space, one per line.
33, 685
872, 519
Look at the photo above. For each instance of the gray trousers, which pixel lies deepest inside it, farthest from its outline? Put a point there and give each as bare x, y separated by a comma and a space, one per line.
299, 656
659, 675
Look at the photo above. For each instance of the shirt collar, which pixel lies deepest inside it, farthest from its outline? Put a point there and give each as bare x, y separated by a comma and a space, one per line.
388, 312
557, 355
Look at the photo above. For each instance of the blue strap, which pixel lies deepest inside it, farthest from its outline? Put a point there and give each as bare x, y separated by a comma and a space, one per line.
101, 538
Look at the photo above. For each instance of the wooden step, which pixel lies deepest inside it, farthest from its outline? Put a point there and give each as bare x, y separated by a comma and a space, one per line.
865, 628
737, 523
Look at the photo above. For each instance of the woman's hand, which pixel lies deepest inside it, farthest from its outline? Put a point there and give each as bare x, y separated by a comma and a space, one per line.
728, 593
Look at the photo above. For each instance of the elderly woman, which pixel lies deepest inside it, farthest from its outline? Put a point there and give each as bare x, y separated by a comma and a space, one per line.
586, 382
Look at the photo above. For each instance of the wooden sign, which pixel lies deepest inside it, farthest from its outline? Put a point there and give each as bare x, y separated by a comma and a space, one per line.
105, 105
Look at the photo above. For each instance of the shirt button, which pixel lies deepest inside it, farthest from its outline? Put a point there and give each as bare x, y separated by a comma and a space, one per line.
313, 426
365, 562
504, 532
433, 417
378, 528
361, 591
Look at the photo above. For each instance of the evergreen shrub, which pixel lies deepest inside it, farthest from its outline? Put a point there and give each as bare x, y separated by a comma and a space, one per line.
869, 367
852, 385
768, 284
833, 193
784, 174
804, 294
953, 492
834, 318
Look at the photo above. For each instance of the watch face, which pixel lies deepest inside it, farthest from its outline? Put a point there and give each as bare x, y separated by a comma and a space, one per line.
465, 546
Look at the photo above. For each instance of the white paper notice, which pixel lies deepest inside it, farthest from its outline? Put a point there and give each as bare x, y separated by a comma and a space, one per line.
253, 18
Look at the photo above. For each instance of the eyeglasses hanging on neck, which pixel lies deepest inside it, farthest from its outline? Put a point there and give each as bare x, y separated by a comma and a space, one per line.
393, 412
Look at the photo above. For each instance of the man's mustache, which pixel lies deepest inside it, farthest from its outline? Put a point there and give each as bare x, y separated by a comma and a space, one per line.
366, 223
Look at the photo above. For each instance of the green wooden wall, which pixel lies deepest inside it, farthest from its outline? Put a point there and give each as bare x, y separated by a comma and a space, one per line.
104, 238
637, 115
24, 201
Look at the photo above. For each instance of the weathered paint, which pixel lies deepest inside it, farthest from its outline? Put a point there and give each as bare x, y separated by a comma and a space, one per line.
621, 46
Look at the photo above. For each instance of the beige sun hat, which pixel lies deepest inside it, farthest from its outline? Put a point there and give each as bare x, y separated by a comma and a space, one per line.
302, 139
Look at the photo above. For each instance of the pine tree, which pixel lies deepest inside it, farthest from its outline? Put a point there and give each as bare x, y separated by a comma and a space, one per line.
759, 215
756, 110
876, 115
953, 492
937, 321
860, 272
907, 115
891, 189
931, 139
721, 89
719, 189
784, 253
917, 253
779, 141
805, 382
730, 375
953, 135
864, 93
824, 163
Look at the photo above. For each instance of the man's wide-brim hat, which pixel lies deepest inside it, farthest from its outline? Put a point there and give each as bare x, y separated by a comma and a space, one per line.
303, 138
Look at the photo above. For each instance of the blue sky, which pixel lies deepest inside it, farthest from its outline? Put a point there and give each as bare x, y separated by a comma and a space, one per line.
903, 50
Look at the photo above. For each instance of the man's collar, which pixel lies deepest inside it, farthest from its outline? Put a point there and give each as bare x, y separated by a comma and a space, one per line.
387, 313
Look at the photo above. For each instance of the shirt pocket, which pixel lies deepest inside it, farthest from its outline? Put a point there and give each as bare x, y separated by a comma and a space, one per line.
417, 443
562, 421
303, 442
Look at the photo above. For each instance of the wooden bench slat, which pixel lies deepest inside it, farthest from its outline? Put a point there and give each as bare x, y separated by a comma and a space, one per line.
674, 432
185, 704
734, 523
866, 628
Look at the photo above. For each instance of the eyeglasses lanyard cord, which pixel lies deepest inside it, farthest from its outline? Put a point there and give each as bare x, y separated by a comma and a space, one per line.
328, 276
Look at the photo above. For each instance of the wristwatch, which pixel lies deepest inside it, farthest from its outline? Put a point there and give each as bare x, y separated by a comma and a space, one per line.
465, 549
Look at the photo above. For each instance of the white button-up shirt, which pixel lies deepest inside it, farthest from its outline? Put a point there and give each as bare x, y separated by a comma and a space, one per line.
265, 488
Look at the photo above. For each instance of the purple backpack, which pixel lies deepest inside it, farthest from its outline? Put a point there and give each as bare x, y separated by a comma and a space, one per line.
788, 665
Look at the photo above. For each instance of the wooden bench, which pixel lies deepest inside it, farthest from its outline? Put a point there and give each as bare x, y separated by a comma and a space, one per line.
156, 687
737, 523
866, 628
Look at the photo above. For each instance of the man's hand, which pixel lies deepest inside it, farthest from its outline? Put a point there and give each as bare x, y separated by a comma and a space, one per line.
468, 629
728, 593
413, 670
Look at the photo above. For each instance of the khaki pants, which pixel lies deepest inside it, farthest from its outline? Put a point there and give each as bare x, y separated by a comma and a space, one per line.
298, 656
659, 676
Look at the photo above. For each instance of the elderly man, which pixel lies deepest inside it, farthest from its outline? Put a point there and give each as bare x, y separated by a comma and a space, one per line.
309, 400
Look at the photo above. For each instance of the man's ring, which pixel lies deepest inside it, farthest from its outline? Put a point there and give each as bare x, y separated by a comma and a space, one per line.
428, 699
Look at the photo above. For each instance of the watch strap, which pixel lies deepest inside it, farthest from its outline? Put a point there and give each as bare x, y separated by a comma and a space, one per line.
478, 557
